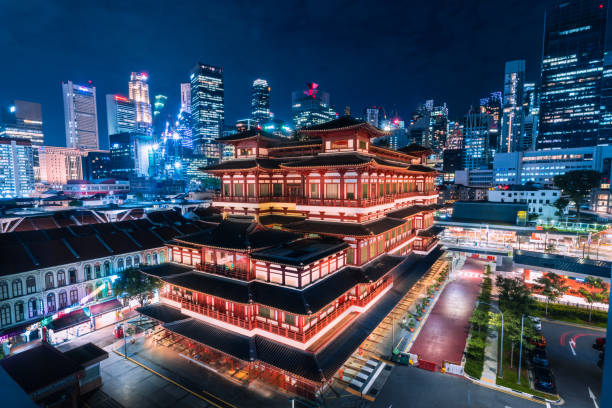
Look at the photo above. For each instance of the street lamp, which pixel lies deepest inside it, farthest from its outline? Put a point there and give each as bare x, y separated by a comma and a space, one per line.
521, 350
501, 363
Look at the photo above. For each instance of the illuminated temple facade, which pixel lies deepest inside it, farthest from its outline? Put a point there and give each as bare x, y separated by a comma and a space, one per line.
307, 238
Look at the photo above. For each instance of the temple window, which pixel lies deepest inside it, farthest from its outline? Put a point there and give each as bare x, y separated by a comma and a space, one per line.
339, 144
331, 190
238, 189
226, 189
364, 190
251, 190
387, 188
265, 312
350, 256
290, 319
277, 189
264, 190
350, 191
314, 190
394, 188
363, 145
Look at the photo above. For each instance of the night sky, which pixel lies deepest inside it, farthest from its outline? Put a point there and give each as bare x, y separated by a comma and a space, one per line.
361, 52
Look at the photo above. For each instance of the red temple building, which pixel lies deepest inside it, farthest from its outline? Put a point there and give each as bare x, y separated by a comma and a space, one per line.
308, 238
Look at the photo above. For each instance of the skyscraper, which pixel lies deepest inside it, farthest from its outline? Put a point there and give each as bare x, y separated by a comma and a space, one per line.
23, 120
373, 115
531, 117
80, 116
186, 98
120, 114
476, 140
139, 93
207, 108
16, 167
311, 107
438, 127
260, 101
160, 114
512, 116
572, 68
492, 106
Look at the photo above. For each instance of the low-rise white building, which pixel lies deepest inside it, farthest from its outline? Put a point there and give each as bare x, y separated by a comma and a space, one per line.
540, 201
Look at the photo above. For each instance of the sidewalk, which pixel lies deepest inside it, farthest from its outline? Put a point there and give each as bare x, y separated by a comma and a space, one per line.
489, 371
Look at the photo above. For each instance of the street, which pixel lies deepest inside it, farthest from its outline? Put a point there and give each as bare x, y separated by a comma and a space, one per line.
574, 362
410, 387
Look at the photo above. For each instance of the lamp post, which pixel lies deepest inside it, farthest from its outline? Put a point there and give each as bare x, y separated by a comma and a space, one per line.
124, 340
521, 350
501, 364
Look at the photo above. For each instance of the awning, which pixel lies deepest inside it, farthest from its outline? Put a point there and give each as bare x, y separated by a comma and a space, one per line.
105, 307
73, 319
15, 330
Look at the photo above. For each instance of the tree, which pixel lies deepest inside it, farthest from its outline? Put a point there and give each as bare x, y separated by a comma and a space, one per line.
552, 287
577, 185
561, 204
480, 318
591, 297
135, 284
514, 295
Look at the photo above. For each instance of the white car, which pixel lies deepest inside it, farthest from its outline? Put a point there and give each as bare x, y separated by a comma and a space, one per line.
537, 323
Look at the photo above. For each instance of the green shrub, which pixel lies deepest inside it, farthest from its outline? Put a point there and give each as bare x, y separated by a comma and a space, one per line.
571, 314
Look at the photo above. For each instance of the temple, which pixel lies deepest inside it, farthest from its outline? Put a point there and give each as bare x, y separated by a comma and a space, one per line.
307, 238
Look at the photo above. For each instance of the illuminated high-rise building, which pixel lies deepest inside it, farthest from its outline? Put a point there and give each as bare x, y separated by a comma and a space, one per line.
80, 116
512, 116
120, 114
260, 101
160, 114
531, 120
454, 140
16, 167
492, 106
438, 127
23, 120
139, 93
311, 107
477, 141
373, 115
207, 109
571, 102
186, 97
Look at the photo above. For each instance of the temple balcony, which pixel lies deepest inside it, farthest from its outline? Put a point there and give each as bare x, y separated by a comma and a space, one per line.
223, 270
364, 202
255, 200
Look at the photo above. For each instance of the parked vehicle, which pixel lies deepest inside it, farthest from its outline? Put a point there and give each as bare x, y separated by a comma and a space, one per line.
539, 341
538, 358
536, 322
600, 343
544, 380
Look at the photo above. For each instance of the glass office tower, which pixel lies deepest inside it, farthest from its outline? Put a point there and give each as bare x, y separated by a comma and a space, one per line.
260, 101
572, 71
207, 109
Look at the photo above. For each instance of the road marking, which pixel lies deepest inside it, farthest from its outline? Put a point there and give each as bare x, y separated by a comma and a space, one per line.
592, 396
572, 344
562, 339
548, 405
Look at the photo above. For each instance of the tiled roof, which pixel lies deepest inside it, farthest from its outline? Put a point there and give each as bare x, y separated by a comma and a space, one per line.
300, 301
278, 219
162, 313
239, 164
248, 134
341, 159
86, 354
301, 252
415, 148
343, 122
346, 228
222, 340
232, 234
49, 364
412, 210
165, 269
431, 232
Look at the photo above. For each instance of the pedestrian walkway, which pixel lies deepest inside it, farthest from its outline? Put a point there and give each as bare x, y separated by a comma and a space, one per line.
445, 332
489, 371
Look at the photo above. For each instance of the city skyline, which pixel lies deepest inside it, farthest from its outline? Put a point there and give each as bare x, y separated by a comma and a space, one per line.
446, 59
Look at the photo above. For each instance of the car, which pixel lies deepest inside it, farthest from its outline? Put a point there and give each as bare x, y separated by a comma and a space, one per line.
537, 323
543, 380
538, 341
538, 358
600, 343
